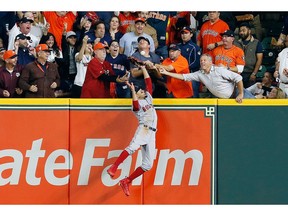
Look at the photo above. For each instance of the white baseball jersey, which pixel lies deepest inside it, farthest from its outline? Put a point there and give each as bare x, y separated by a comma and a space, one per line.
146, 114
146, 131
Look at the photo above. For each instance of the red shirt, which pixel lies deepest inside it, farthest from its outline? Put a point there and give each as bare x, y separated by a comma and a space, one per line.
125, 21
93, 87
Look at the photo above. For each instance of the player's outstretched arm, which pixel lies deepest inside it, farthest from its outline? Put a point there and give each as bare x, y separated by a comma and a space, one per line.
132, 88
174, 75
147, 79
145, 72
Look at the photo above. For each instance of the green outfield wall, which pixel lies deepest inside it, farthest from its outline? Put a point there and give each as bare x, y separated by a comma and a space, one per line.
252, 152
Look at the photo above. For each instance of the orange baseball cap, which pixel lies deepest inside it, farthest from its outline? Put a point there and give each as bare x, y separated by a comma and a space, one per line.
42, 47
139, 19
99, 46
9, 54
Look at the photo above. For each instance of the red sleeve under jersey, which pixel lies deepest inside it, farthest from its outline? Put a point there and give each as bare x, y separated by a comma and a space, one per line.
135, 105
148, 83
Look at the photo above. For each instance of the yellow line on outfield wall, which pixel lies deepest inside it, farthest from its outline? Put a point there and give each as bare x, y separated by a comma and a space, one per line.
100, 102
185, 101
127, 102
35, 101
253, 102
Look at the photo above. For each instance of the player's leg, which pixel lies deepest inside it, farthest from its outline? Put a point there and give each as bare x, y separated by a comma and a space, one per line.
113, 168
133, 146
124, 183
148, 156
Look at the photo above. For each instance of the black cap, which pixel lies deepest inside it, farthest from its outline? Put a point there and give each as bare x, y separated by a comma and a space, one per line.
246, 24
174, 47
90, 41
228, 33
22, 37
25, 19
112, 42
138, 87
187, 29
144, 38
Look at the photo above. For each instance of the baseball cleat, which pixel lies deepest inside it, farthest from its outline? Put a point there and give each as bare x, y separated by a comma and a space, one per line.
124, 183
112, 170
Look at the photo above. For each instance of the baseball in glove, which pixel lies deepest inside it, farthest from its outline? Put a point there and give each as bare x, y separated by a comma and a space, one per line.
139, 63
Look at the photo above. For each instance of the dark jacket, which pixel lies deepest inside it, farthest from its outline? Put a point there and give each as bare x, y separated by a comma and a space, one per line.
64, 66
33, 75
250, 51
24, 57
9, 81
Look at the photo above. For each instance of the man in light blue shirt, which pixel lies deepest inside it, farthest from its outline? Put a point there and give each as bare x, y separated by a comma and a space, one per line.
129, 44
220, 81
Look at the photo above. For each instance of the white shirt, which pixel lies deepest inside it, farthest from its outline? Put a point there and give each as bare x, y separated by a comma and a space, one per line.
81, 69
220, 81
37, 29
283, 63
14, 32
130, 44
255, 90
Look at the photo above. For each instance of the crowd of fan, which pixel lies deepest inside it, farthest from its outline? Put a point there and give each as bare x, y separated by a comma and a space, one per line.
94, 54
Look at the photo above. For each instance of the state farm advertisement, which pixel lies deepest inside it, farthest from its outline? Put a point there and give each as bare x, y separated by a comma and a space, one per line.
61, 157
34, 156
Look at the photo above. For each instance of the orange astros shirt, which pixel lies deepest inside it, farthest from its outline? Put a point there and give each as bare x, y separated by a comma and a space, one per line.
228, 57
57, 24
179, 88
210, 33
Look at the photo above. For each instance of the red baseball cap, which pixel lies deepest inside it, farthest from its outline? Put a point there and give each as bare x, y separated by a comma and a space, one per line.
99, 46
92, 16
139, 19
9, 54
42, 47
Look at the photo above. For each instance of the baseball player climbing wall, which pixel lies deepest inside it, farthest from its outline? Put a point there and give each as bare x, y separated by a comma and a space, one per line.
182, 168
61, 153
